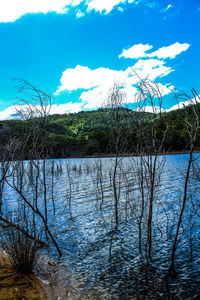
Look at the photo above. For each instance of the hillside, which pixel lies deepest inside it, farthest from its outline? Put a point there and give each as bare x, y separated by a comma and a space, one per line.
88, 132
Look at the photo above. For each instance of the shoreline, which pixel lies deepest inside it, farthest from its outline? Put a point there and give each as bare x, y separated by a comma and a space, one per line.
114, 155
124, 155
47, 282
18, 286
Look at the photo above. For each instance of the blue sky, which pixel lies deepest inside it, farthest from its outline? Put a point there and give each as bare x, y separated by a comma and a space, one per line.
76, 49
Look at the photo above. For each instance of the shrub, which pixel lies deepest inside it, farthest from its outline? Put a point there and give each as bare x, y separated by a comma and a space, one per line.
21, 250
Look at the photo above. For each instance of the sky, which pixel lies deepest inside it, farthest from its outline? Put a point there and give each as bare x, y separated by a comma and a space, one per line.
76, 50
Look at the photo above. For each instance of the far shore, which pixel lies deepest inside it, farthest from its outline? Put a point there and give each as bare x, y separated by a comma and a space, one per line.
111, 155
122, 155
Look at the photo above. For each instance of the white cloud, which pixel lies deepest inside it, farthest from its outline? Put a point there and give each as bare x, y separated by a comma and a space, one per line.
80, 14
8, 113
165, 89
151, 68
150, 109
95, 98
70, 107
11, 10
103, 5
139, 51
178, 106
11, 112
130, 92
183, 104
151, 4
82, 77
136, 51
74, 2
120, 9
97, 83
171, 51
166, 8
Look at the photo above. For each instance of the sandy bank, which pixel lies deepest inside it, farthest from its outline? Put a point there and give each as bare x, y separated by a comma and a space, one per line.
49, 282
17, 286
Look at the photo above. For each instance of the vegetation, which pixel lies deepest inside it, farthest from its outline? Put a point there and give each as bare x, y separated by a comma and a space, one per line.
124, 195
87, 132
26, 226
21, 251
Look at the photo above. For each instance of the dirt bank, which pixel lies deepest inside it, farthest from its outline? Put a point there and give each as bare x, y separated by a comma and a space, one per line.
17, 286
49, 282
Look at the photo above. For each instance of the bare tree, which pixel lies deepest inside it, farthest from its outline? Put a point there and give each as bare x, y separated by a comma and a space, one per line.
150, 166
118, 140
29, 180
192, 122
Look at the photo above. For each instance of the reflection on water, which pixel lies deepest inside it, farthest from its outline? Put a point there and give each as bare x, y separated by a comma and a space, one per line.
105, 257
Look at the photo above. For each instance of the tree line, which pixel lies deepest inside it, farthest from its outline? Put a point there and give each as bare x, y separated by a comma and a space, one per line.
87, 132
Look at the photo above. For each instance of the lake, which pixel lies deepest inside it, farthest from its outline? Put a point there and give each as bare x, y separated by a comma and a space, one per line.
101, 224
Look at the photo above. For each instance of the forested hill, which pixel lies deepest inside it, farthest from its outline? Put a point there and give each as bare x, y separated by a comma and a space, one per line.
82, 124
88, 132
